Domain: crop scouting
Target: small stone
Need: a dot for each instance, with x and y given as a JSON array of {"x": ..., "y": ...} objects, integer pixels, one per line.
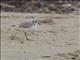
[
  {"x": 73, "y": 58},
  {"x": 12, "y": 37},
  {"x": 21, "y": 42}
]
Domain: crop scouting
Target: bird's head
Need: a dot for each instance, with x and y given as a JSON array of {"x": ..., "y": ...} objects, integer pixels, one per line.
[{"x": 35, "y": 22}]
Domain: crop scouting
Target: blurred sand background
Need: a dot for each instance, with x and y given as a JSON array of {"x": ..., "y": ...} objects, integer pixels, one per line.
[{"x": 49, "y": 42}]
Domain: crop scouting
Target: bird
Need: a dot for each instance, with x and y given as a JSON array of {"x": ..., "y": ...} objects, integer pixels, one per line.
[{"x": 27, "y": 27}]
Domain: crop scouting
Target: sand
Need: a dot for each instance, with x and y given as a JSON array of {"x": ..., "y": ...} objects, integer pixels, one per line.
[{"x": 61, "y": 37}]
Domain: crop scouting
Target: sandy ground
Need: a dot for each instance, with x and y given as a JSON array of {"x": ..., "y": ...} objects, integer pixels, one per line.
[{"x": 48, "y": 42}]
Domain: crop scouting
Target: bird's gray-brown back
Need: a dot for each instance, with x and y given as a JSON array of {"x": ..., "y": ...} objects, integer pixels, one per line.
[{"x": 25, "y": 25}]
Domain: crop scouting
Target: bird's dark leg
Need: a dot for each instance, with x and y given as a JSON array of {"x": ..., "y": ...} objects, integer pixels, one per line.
[{"x": 26, "y": 36}]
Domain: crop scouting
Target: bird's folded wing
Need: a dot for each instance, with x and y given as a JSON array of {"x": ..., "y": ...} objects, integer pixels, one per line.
[{"x": 25, "y": 25}]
